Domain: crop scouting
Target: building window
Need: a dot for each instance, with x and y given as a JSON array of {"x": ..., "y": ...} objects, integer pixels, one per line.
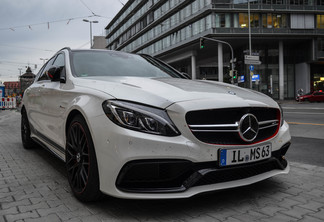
[
  {"x": 302, "y": 21},
  {"x": 150, "y": 17},
  {"x": 254, "y": 20},
  {"x": 279, "y": 21},
  {"x": 208, "y": 22},
  {"x": 223, "y": 20},
  {"x": 321, "y": 45},
  {"x": 195, "y": 7},
  {"x": 187, "y": 11},
  {"x": 244, "y": 20},
  {"x": 320, "y": 21},
  {"x": 274, "y": 20},
  {"x": 235, "y": 20}
]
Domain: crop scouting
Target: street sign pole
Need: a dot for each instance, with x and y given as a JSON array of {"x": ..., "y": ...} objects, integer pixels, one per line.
[{"x": 250, "y": 41}]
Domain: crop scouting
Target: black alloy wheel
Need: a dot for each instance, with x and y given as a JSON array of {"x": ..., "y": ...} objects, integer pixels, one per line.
[
  {"x": 27, "y": 141},
  {"x": 81, "y": 162}
]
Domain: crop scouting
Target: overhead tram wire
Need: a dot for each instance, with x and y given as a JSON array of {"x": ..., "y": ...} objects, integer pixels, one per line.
[
  {"x": 29, "y": 26},
  {"x": 24, "y": 47}
]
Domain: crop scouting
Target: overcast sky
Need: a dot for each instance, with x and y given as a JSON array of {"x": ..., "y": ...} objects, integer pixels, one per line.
[{"x": 31, "y": 29}]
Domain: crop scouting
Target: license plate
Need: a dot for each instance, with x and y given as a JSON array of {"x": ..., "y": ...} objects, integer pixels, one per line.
[{"x": 236, "y": 156}]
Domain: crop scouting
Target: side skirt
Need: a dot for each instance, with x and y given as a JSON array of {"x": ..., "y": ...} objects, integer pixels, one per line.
[{"x": 52, "y": 147}]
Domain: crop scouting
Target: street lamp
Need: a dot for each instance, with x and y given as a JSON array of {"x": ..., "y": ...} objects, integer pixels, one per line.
[
  {"x": 44, "y": 60},
  {"x": 86, "y": 20}
]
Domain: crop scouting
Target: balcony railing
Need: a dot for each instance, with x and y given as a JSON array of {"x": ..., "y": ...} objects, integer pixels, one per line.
[
  {"x": 286, "y": 31},
  {"x": 259, "y": 5}
]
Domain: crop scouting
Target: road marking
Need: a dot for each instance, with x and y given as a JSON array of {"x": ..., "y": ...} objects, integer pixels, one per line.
[
  {"x": 315, "y": 108},
  {"x": 312, "y": 124},
  {"x": 305, "y": 113}
]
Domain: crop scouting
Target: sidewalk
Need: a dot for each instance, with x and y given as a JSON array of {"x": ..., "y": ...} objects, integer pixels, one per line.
[{"x": 34, "y": 187}]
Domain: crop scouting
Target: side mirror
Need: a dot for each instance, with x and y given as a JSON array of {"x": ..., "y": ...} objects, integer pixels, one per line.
[{"x": 56, "y": 74}]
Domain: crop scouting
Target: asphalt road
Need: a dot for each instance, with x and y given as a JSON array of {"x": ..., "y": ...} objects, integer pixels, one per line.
[{"x": 306, "y": 121}]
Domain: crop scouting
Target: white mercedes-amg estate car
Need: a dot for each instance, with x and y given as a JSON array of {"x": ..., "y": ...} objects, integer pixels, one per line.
[{"x": 131, "y": 126}]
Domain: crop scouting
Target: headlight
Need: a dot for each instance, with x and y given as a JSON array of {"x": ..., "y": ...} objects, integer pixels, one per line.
[{"x": 140, "y": 118}]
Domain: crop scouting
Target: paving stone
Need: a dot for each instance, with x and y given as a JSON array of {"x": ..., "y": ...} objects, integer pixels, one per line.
[
  {"x": 319, "y": 215},
  {"x": 297, "y": 212},
  {"x": 21, "y": 216},
  {"x": 65, "y": 215},
  {"x": 8, "y": 205},
  {"x": 287, "y": 203},
  {"x": 269, "y": 210},
  {"x": 12, "y": 210},
  {"x": 202, "y": 218},
  {"x": 222, "y": 214},
  {"x": 279, "y": 218},
  {"x": 41, "y": 205},
  {"x": 91, "y": 218},
  {"x": 250, "y": 216},
  {"x": 48, "y": 218},
  {"x": 45, "y": 212},
  {"x": 312, "y": 205},
  {"x": 310, "y": 219}
]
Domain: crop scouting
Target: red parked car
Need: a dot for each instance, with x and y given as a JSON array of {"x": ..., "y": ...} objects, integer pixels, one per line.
[{"x": 316, "y": 96}]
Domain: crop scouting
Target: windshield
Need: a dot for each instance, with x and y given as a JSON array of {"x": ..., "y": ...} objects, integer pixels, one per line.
[{"x": 114, "y": 63}]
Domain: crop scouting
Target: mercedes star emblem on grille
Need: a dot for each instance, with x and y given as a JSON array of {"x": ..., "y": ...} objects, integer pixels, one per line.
[{"x": 248, "y": 127}]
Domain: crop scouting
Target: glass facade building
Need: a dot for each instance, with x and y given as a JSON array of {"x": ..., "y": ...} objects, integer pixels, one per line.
[{"x": 287, "y": 35}]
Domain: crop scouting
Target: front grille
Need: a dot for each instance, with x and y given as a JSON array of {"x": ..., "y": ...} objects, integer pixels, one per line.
[{"x": 221, "y": 126}]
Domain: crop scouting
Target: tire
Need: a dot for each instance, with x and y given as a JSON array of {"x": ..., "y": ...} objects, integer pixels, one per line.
[
  {"x": 27, "y": 141},
  {"x": 81, "y": 161}
]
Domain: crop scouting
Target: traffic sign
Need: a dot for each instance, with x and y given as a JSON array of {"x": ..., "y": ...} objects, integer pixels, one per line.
[
  {"x": 251, "y": 67},
  {"x": 251, "y": 57},
  {"x": 252, "y": 62},
  {"x": 256, "y": 77}
]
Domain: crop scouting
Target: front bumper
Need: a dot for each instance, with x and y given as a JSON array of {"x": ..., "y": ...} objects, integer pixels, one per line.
[
  {"x": 170, "y": 176},
  {"x": 136, "y": 165}
]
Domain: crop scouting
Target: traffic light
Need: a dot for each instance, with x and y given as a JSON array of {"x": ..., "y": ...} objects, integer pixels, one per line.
[
  {"x": 202, "y": 43},
  {"x": 235, "y": 76}
]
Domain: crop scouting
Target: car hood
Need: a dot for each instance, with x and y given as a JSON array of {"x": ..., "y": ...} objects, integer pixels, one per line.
[{"x": 162, "y": 92}]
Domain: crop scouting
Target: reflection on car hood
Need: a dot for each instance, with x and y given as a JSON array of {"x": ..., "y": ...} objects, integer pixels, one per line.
[{"x": 162, "y": 92}]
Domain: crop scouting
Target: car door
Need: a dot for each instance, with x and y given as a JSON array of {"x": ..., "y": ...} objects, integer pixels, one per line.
[
  {"x": 319, "y": 96},
  {"x": 36, "y": 104},
  {"x": 55, "y": 99}
]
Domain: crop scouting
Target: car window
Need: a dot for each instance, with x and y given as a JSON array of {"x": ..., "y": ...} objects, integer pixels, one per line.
[
  {"x": 40, "y": 72},
  {"x": 112, "y": 63},
  {"x": 59, "y": 61},
  {"x": 44, "y": 75},
  {"x": 318, "y": 94}
]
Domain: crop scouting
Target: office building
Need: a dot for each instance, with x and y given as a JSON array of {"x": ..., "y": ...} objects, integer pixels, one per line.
[{"x": 287, "y": 36}]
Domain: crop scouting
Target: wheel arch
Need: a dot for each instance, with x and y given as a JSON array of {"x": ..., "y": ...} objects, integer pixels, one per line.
[
  {"x": 23, "y": 109},
  {"x": 70, "y": 117}
]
